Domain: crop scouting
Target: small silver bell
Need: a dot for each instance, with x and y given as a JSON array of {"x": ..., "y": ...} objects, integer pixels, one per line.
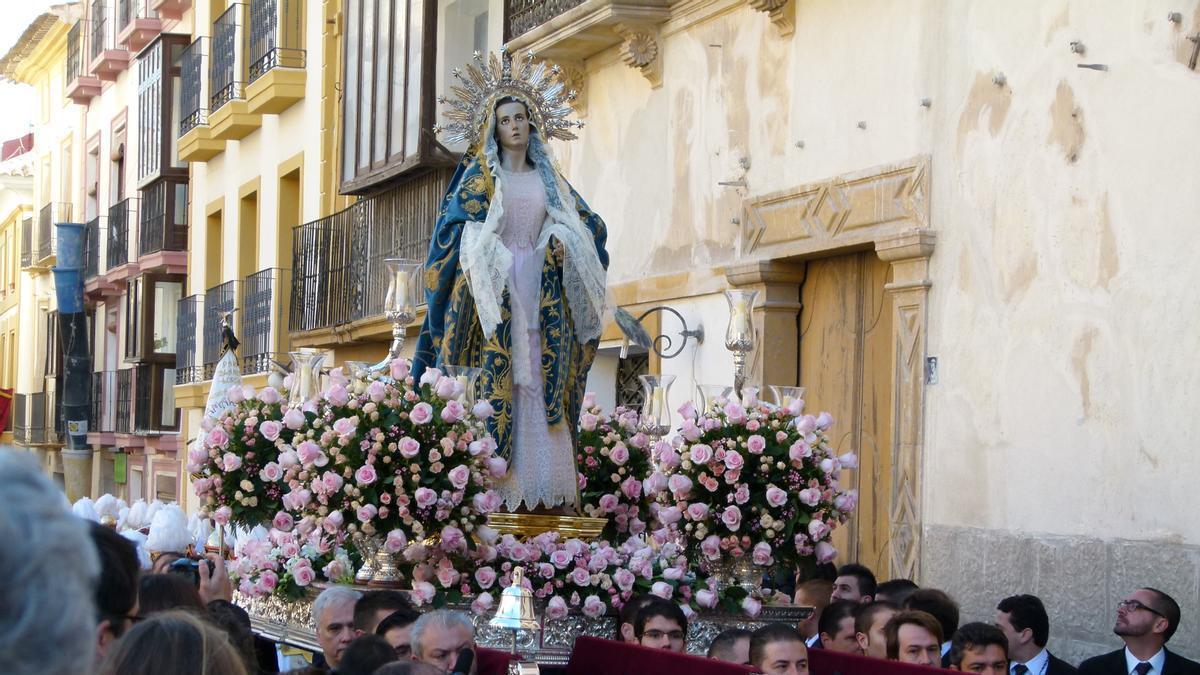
[{"x": 515, "y": 611}]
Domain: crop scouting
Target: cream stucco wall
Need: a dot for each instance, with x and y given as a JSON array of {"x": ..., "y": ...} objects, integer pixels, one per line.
[{"x": 1063, "y": 203}]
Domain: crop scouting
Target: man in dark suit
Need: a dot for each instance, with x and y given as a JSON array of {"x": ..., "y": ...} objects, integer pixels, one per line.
[
  {"x": 1146, "y": 620},
  {"x": 1023, "y": 620}
]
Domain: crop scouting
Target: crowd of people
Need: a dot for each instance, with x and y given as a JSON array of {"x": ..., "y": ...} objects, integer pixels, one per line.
[{"x": 77, "y": 601}]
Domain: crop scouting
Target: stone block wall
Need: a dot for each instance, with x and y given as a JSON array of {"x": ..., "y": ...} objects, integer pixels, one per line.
[{"x": 1080, "y": 580}]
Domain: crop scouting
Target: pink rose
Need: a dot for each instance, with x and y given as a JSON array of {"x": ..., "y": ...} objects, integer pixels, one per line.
[
  {"x": 624, "y": 579},
  {"x": 619, "y": 454},
  {"x": 742, "y": 495},
  {"x": 217, "y": 438},
  {"x": 334, "y": 522},
  {"x": 655, "y": 483},
  {"x": 365, "y": 475},
  {"x": 735, "y": 413},
  {"x": 701, "y": 453},
  {"x": 453, "y": 539},
  {"x": 197, "y": 454},
  {"x": 482, "y": 410},
  {"x": 809, "y": 496},
  {"x": 556, "y": 608},
  {"x": 308, "y": 452},
  {"x": 409, "y": 447},
  {"x": 271, "y": 472},
  {"x": 609, "y": 503},
  {"x": 776, "y": 497},
  {"x": 670, "y": 515},
  {"x": 706, "y": 598},
  {"x": 732, "y": 517},
  {"x": 283, "y": 521},
  {"x": 733, "y": 460},
  {"x": 817, "y": 529},
  {"x": 825, "y": 552},
  {"x": 231, "y": 462},
  {"x": 848, "y": 461},
  {"x": 346, "y": 426},
  {"x": 337, "y": 395},
  {"x": 422, "y": 413},
  {"x": 376, "y": 391},
  {"x": 447, "y": 576},
  {"x": 288, "y": 459},
  {"x": 589, "y": 399},
  {"x": 446, "y": 388},
  {"x": 697, "y": 511},
  {"x": 268, "y": 579},
  {"x": 799, "y": 451},
  {"x": 425, "y": 497},
  {"x": 751, "y": 605},
  {"x": 235, "y": 395},
  {"x": 846, "y": 502},
  {"x": 588, "y": 421},
  {"x": 690, "y": 431},
  {"x": 594, "y": 607},
  {"x": 761, "y": 554},
  {"x": 632, "y": 488},
  {"x": 423, "y": 593},
  {"x": 824, "y": 421},
  {"x": 497, "y": 466},
  {"x": 459, "y": 476},
  {"x": 485, "y": 577},
  {"x": 453, "y": 412},
  {"x": 806, "y": 425},
  {"x": 269, "y": 395},
  {"x": 335, "y": 570},
  {"x": 667, "y": 457},
  {"x": 482, "y": 604},
  {"x": 331, "y": 481},
  {"x": 662, "y": 589},
  {"x": 293, "y": 418},
  {"x": 680, "y": 486},
  {"x": 560, "y": 559},
  {"x": 396, "y": 541},
  {"x": 486, "y": 502},
  {"x": 688, "y": 410},
  {"x": 711, "y": 547},
  {"x": 304, "y": 575},
  {"x": 366, "y": 513},
  {"x": 580, "y": 576},
  {"x": 399, "y": 369},
  {"x": 756, "y": 444}
]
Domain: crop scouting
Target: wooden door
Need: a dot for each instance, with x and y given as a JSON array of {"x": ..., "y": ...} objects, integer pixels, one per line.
[{"x": 846, "y": 367}]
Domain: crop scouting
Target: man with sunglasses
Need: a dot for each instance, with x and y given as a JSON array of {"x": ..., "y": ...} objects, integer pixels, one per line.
[{"x": 1146, "y": 620}]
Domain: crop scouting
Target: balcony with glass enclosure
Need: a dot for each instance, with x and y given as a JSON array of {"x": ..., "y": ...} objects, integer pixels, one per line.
[
  {"x": 106, "y": 57},
  {"x": 81, "y": 85},
  {"x": 229, "y": 113},
  {"x": 275, "y": 54},
  {"x": 137, "y": 24},
  {"x": 196, "y": 142}
]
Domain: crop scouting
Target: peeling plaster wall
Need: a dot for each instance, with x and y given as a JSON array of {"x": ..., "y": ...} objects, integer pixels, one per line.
[{"x": 1062, "y": 308}]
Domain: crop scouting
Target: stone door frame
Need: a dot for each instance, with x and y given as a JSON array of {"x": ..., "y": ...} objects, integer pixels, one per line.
[{"x": 884, "y": 208}]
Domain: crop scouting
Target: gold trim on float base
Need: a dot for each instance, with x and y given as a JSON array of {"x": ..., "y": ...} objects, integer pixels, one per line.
[{"x": 528, "y": 525}]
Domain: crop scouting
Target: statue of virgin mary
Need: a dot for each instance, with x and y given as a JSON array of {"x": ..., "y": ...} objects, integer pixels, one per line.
[{"x": 515, "y": 277}]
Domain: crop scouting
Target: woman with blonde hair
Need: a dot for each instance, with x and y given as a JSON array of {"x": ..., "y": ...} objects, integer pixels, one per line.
[{"x": 173, "y": 643}]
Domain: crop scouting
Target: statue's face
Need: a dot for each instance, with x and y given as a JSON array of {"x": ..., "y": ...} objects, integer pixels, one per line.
[{"x": 512, "y": 126}]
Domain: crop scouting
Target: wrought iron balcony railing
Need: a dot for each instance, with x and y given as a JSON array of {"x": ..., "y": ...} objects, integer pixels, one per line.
[
  {"x": 341, "y": 256},
  {"x": 104, "y": 401},
  {"x": 123, "y": 404},
  {"x": 223, "y": 71},
  {"x": 118, "y": 233},
  {"x": 187, "y": 366},
  {"x": 91, "y": 254},
  {"x": 218, "y": 301},
  {"x": 47, "y": 235},
  {"x": 75, "y": 52},
  {"x": 262, "y": 330},
  {"x": 101, "y": 29},
  {"x": 522, "y": 16},
  {"x": 27, "y": 242},
  {"x": 157, "y": 227},
  {"x": 276, "y": 36},
  {"x": 193, "y": 86}
]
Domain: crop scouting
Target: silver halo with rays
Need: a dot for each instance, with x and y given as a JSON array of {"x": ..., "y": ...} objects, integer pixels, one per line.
[{"x": 486, "y": 81}]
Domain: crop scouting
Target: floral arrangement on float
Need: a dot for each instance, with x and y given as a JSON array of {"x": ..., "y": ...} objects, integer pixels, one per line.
[
  {"x": 752, "y": 488},
  {"x": 386, "y": 479}
]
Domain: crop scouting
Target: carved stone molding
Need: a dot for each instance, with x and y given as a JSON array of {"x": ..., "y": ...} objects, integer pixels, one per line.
[
  {"x": 781, "y": 12},
  {"x": 574, "y": 78},
  {"x": 641, "y": 49}
]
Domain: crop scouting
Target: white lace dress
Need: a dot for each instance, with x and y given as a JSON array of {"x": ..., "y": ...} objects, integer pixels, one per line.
[{"x": 542, "y": 463}]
